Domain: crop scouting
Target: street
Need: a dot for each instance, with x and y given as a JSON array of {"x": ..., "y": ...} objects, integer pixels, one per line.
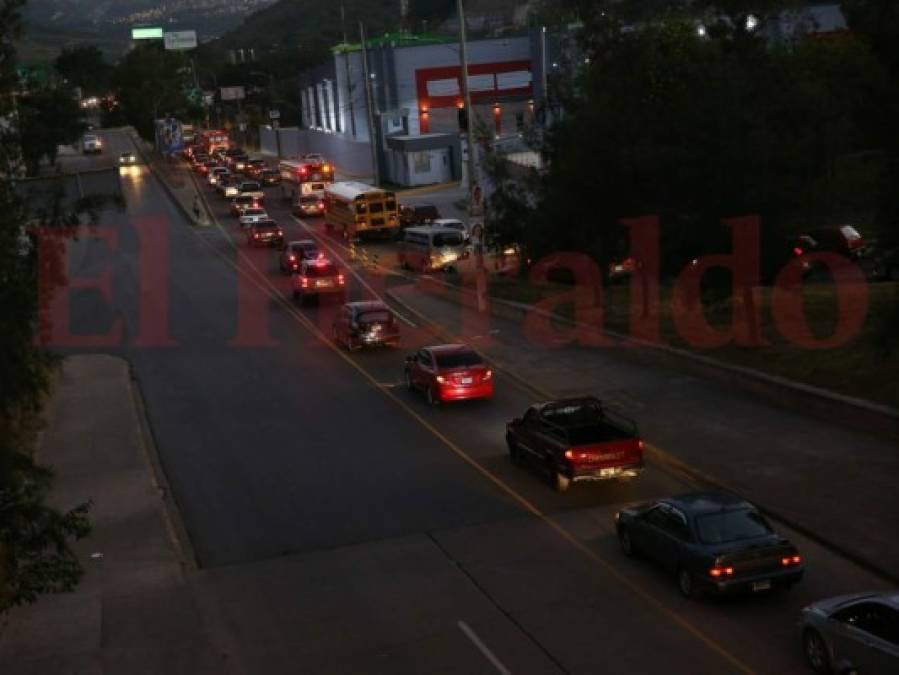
[{"x": 340, "y": 524}]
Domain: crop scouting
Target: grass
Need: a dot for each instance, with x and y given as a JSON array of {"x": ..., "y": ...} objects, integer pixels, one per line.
[{"x": 858, "y": 367}]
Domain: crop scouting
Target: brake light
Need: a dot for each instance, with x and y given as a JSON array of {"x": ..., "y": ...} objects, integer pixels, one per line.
[
  {"x": 786, "y": 561},
  {"x": 256, "y": 235},
  {"x": 718, "y": 572},
  {"x": 340, "y": 279},
  {"x": 292, "y": 258},
  {"x": 569, "y": 454},
  {"x": 488, "y": 375},
  {"x": 326, "y": 168},
  {"x": 440, "y": 379},
  {"x": 304, "y": 282},
  {"x": 640, "y": 444},
  {"x": 798, "y": 251}
]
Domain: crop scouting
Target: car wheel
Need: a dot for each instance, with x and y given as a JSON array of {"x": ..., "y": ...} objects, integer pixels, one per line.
[
  {"x": 815, "y": 651},
  {"x": 514, "y": 451},
  {"x": 685, "y": 583},
  {"x": 432, "y": 400},
  {"x": 561, "y": 482},
  {"x": 626, "y": 543}
]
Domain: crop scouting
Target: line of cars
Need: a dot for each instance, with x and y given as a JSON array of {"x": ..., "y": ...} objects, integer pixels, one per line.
[{"x": 712, "y": 543}]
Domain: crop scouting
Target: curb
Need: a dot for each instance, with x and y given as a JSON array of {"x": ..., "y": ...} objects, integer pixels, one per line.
[
  {"x": 138, "y": 143},
  {"x": 426, "y": 189},
  {"x": 672, "y": 463},
  {"x": 862, "y": 415},
  {"x": 177, "y": 530}
]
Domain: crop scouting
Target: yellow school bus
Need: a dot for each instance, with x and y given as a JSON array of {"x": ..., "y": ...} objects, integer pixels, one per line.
[{"x": 360, "y": 210}]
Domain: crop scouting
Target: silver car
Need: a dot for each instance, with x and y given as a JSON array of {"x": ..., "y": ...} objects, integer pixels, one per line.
[{"x": 852, "y": 634}]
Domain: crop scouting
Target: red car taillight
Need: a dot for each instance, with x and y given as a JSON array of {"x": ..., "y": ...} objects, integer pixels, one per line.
[
  {"x": 256, "y": 235},
  {"x": 487, "y": 375},
  {"x": 292, "y": 258},
  {"x": 718, "y": 572},
  {"x": 304, "y": 282},
  {"x": 786, "y": 561},
  {"x": 340, "y": 279}
]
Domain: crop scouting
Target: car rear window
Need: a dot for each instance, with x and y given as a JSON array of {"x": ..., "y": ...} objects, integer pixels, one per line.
[
  {"x": 310, "y": 199},
  {"x": 321, "y": 271},
  {"x": 460, "y": 359},
  {"x": 728, "y": 526},
  {"x": 254, "y": 212},
  {"x": 250, "y": 186},
  {"x": 378, "y": 316},
  {"x": 448, "y": 239}
]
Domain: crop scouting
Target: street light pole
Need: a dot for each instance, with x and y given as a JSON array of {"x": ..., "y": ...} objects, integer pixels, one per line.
[
  {"x": 466, "y": 96},
  {"x": 373, "y": 134},
  {"x": 474, "y": 189}
]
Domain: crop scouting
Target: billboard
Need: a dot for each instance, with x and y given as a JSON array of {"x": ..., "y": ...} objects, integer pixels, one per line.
[
  {"x": 232, "y": 93},
  {"x": 180, "y": 39},
  {"x": 147, "y": 33}
]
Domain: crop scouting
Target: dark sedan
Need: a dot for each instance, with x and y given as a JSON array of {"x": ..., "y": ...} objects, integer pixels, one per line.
[
  {"x": 365, "y": 324},
  {"x": 265, "y": 233},
  {"x": 714, "y": 542}
]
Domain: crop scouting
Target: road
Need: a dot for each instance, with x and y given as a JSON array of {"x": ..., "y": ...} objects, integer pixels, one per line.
[{"x": 342, "y": 525}]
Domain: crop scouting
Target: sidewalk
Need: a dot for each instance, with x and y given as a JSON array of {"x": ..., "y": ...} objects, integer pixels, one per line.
[
  {"x": 133, "y": 612},
  {"x": 819, "y": 477}
]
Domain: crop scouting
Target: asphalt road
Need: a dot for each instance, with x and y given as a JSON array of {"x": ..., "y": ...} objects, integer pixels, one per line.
[{"x": 343, "y": 525}]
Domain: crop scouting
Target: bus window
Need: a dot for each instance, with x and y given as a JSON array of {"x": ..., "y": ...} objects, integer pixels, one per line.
[
  {"x": 391, "y": 206},
  {"x": 376, "y": 207},
  {"x": 360, "y": 207}
]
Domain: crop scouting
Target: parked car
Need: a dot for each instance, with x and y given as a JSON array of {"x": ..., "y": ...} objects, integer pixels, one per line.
[
  {"x": 365, "y": 324},
  {"x": 296, "y": 252},
  {"x": 714, "y": 542},
  {"x": 270, "y": 177},
  {"x": 127, "y": 159},
  {"x": 265, "y": 233},
  {"x": 856, "y": 633},
  {"x": 318, "y": 278},
  {"x": 252, "y": 215},
  {"x": 419, "y": 214},
  {"x": 880, "y": 263},
  {"x": 842, "y": 239},
  {"x": 445, "y": 373},
  {"x": 576, "y": 439},
  {"x": 453, "y": 224},
  {"x": 241, "y": 203}
]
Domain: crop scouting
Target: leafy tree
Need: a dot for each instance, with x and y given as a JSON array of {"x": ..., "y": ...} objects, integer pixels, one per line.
[
  {"x": 34, "y": 555},
  {"x": 149, "y": 83},
  {"x": 85, "y": 67},
  {"x": 48, "y": 118}
]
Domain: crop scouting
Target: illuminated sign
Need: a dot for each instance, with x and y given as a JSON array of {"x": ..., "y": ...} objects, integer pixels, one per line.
[{"x": 147, "y": 33}]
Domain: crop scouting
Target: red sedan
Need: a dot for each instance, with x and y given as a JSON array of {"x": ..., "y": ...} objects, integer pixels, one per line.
[{"x": 449, "y": 373}]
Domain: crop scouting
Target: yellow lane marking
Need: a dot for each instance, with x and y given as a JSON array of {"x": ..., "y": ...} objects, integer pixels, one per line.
[{"x": 264, "y": 284}]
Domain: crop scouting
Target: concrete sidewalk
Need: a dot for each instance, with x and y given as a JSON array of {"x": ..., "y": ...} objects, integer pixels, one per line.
[
  {"x": 817, "y": 476},
  {"x": 133, "y": 612}
]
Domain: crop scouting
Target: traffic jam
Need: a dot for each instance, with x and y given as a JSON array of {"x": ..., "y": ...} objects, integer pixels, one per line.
[{"x": 711, "y": 543}]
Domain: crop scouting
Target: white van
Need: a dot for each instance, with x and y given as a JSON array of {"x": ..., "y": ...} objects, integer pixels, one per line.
[
  {"x": 426, "y": 248},
  {"x": 453, "y": 224}
]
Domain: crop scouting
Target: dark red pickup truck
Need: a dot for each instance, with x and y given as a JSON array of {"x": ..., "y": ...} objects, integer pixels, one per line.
[{"x": 576, "y": 439}]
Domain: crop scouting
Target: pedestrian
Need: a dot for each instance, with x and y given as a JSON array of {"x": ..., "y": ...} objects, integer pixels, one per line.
[{"x": 196, "y": 207}]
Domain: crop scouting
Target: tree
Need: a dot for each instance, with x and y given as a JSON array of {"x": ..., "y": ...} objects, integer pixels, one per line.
[
  {"x": 149, "y": 83},
  {"x": 86, "y": 68},
  {"x": 34, "y": 553},
  {"x": 48, "y": 118}
]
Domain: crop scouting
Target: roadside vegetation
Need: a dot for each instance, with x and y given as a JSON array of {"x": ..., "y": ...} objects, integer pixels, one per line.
[
  {"x": 34, "y": 538},
  {"x": 697, "y": 118}
]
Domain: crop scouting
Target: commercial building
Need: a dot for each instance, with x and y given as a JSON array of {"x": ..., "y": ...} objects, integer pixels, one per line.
[{"x": 417, "y": 103}]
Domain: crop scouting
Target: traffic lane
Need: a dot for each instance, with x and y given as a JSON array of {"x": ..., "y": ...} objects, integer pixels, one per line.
[
  {"x": 457, "y": 423},
  {"x": 759, "y": 628},
  {"x": 255, "y": 440}
]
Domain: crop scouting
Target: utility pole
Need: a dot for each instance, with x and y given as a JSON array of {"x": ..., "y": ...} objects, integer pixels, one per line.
[
  {"x": 373, "y": 135},
  {"x": 474, "y": 189},
  {"x": 466, "y": 95}
]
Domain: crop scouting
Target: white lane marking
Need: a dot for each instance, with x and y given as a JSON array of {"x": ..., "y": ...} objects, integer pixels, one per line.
[
  {"x": 349, "y": 267},
  {"x": 471, "y": 635}
]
